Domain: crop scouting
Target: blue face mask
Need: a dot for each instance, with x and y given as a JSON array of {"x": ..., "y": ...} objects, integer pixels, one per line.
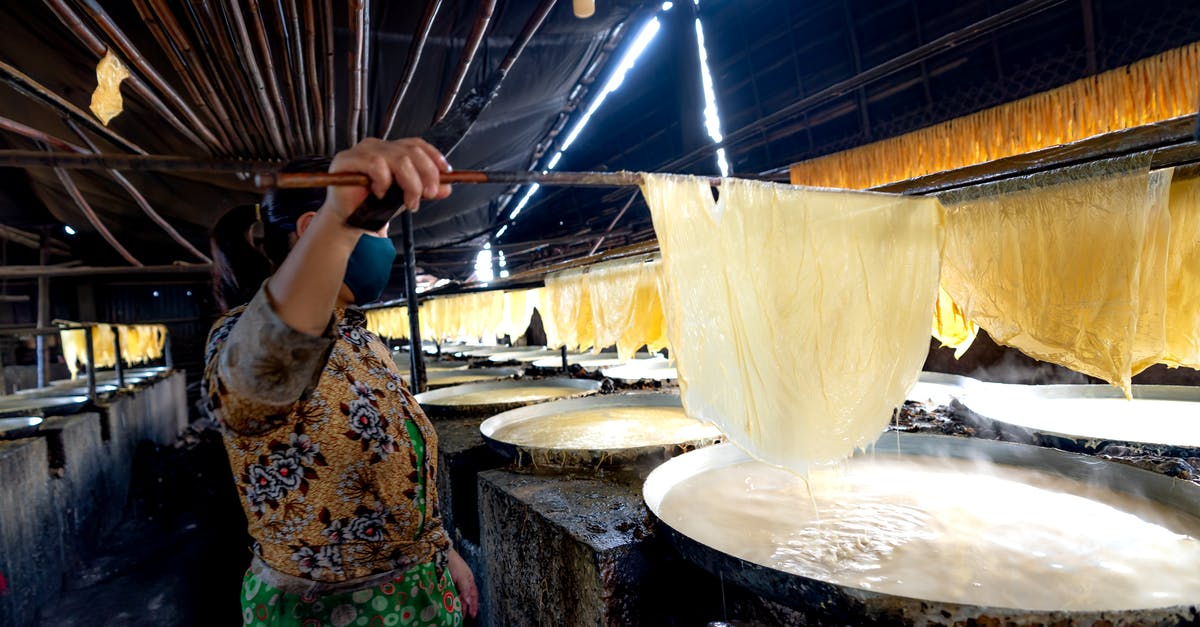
[{"x": 369, "y": 268}]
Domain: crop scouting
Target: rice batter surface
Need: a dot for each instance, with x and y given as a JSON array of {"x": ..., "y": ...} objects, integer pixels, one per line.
[
  {"x": 948, "y": 530},
  {"x": 607, "y": 428}
]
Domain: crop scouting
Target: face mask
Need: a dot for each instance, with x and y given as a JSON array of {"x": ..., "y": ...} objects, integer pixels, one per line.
[{"x": 369, "y": 268}]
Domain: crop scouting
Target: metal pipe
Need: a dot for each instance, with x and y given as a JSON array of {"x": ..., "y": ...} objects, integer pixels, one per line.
[
  {"x": 90, "y": 352},
  {"x": 468, "y": 54},
  {"x": 410, "y": 66},
  {"x": 416, "y": 355}
]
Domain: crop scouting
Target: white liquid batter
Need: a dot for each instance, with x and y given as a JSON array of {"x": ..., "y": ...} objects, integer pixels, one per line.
[
  {"x": 948, "y": 530},
  {"x": 453, "y": 378},
  {"x": 510, "y": 395},
  {"x": 607, "y": 428}
]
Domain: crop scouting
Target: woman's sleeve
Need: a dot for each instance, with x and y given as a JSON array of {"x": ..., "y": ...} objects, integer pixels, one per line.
[{"x": 257, "y": 367}]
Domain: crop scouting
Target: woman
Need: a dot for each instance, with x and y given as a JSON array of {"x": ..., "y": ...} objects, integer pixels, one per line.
[{"x": 334, "y": 460}]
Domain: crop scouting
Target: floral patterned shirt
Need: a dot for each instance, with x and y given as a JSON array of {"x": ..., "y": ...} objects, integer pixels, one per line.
[{"x": 320, "y": 433}]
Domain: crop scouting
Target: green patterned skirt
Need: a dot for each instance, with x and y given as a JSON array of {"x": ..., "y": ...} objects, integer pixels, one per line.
[{"x": 418, "y": 597}]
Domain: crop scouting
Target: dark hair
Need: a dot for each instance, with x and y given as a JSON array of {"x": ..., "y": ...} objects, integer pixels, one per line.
[{"x": 241, "y": 264}]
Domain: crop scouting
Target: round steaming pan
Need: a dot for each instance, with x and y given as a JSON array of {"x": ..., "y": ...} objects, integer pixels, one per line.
[
  {"x": 51, "y": 405},
  {"x": 482, "y": 351},
  {"x": 436, "y": 403},
  {"x": 829, "y": 603},
  {"x": 939, "y": 388},
  {"x": 653, "y": 369},
  {"x": 1161, "y": 419},
  {"x": 19, "y": 427},
  {"x": 591, "y": 457},
  {"x": 524, "y": 354},
  {"x": 588, "y": 361},
  {"x": 69, "y": 390},
  {"x": 446, "y": 378}
]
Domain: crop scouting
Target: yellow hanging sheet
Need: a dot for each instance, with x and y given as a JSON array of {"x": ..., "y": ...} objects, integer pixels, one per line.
[
  {"x": 798, "y": 318},
  {"x": 1052, "y": 264},
  {"x": 1183, "y": 276}
]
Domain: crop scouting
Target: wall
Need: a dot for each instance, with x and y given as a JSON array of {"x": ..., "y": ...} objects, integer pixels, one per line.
[{"x": 64, "y": 489}]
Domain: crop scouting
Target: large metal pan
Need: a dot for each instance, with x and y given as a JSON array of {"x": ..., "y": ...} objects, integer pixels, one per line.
[
  {"x": 440, "y": 403},
  {"x": 653, "y": 369},
  {"x": 523, "y": 354},
  {"x": 631, "y": 452},
  {"x": 1160, "y": 420},
  {"x": 829, "y": 604},
  {"x": 45, "y": 406},
  {"x": 446, "y": 378},
  {"x": 19, "y": 427}
]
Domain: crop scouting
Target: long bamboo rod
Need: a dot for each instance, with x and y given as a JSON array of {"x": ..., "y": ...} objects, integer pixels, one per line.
[
  {"x": 217, "y": 43},
  {"x": 410, "y": 65},
  {"x": 281, "y": 97},
  {"x": 200, "y": 59},
  {"x": 301, "y": 67},
  {"x": 191, "y": 78},
  {"x": 143, "y": 66},
  {"x": 142, "y": 203},
  {"x": 364, "y": 122},
  {"x": 357, "y": 68},
  {"x": 315, "y": 98},
  {"x": 468, "y": 54},
  {"x": 90, "y": 214},
  {"x": 260, "y": 84},
  {"x": 40, "y": 93},
  {"x": 330, "y": 81},
  {"x": 290, "y": 74}
]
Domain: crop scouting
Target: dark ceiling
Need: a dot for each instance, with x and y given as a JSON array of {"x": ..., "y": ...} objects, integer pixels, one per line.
[{"x": 765, "y": 55}]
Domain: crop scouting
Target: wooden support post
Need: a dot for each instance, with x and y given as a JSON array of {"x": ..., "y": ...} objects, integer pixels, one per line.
[
  {"x": 565, "y": 365},
  {"x": 168, "y": 360},
  {"x": 91, "y": 363},
  {"x": 117, "y": 352},
  {"x": 43, "y": 313},
  {"x": 416, "y": 355}
]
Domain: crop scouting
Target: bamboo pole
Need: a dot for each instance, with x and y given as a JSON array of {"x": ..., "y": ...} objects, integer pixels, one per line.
[
  {"x": 260, "y": 84},
  {"x": 33, "y": 272},
  {"x": 143, "y": 66},
  {"x": 190, "y": 79},
  {"x": 357, "y": 69},
  {"x": 220, "y": 52},
  {"x": 82, "y": 204},
  {"x": 213, "y": 80},
  {"x": 301, "y": 68},
  {"x": 330, "y": 80},
  {"x": 40, "y": 93},
  {"x": 464, "y": 60},
  {"x": 142, "y": 203},
  {"x": 321, "y": 143},
  {"x": 280, "y": 97},
  {"x": 364, "y": 125},
  {"x": 410, "y": 66}
]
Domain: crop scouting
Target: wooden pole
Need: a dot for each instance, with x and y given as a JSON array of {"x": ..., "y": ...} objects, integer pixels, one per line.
[
  {"x": 330, "y": 79},
  {"x": 143, "y": 203},
  {"x": 357, "y": 69},
  {"x": 43, "y": 314},
  {"x": 280, "y": 97},
  {"x": 464, "y": 60},
  {"x": 82, "y": 204},
  {"x": 90, "y": 349},
  {"x": 258, "y": 83},
  {"x": 321, "y": 143},
  {"x": 416, "y": 355},
  {"x": 117, "y": 352},
  {"x": 410, "y": 66}
]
